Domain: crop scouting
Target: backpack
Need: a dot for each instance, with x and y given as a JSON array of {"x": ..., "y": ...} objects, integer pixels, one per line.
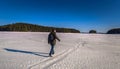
[{"x": 51, "y": 37}]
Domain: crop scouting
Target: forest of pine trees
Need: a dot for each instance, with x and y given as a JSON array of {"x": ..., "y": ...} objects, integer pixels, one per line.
[
  {"x": 24, "y": 27},
  {"x": 114, "y": 31}
]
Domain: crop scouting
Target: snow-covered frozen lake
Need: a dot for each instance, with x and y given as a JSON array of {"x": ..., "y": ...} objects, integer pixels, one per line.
[{"x": 29, "y": 50}]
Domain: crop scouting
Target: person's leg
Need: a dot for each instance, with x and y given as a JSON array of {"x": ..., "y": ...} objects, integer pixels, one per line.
[{"x": 52, "y": 50}]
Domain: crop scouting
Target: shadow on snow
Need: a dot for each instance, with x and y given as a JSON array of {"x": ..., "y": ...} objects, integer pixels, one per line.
[{"x": 28, "y": 52}]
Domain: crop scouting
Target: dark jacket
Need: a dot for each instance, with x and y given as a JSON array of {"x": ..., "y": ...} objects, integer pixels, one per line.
[{"x": 53, "y": 42}]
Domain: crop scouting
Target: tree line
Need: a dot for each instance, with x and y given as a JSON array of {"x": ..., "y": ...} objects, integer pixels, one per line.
[
  {"x": 114, "y": 31},
  {"x": 25, "y": 27}
]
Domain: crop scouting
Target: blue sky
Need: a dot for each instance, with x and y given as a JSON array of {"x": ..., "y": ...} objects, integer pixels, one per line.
[{"x": 83, "y": 15}]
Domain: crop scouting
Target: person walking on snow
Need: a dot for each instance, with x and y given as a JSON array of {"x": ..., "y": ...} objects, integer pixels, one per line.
[{"x": 52, "y": 41}]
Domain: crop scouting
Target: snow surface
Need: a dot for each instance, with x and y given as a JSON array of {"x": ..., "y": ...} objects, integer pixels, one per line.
[{"x": 29, "y": 50}]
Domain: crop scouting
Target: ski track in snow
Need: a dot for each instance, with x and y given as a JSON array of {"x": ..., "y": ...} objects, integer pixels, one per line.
[{"x": 56, "y": 58}]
